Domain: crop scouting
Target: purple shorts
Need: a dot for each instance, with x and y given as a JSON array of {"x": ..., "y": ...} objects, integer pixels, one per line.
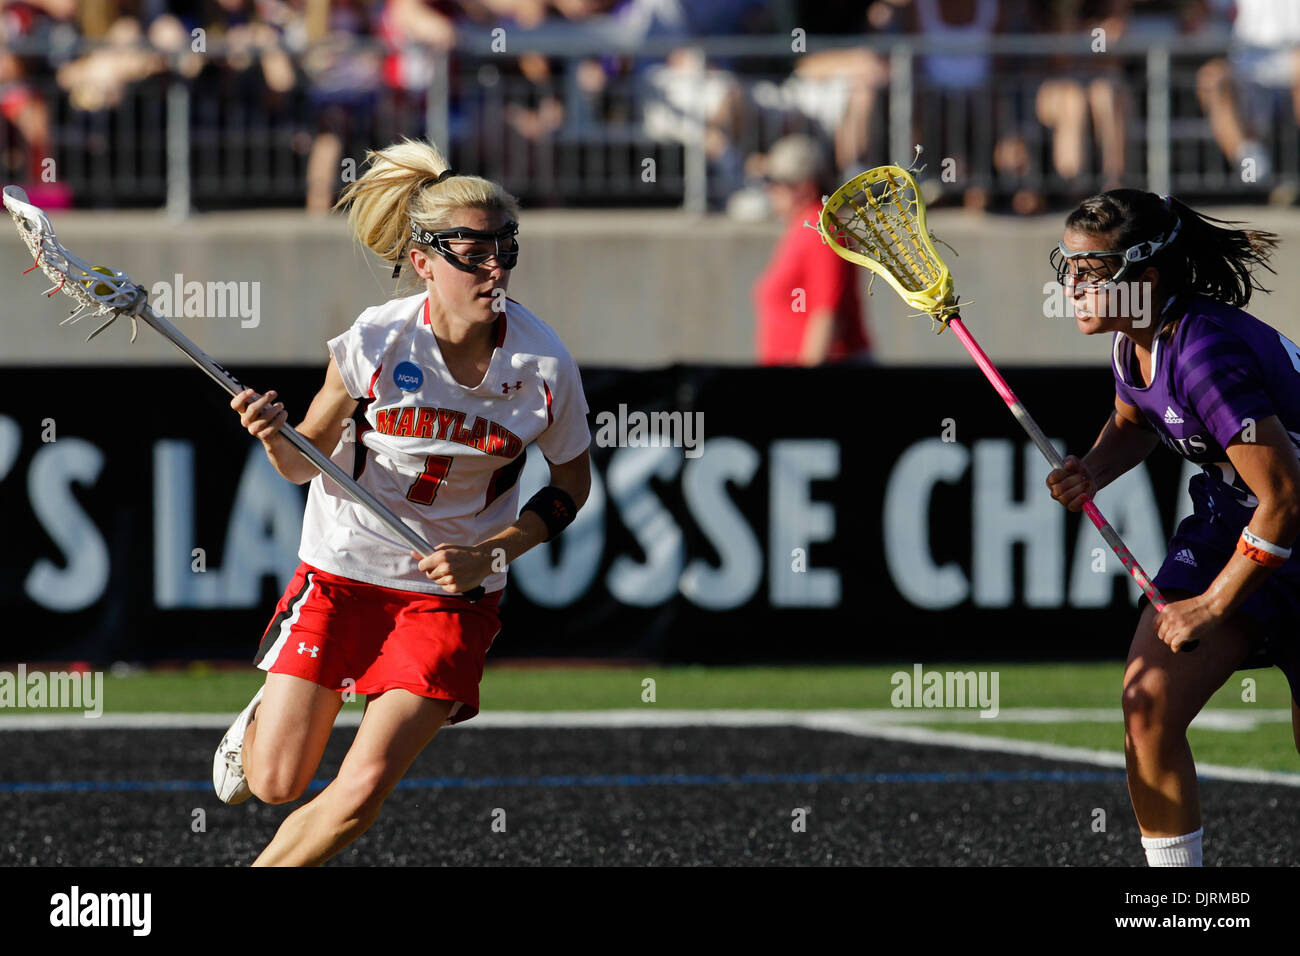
[{"x": 1199, "y": 550}]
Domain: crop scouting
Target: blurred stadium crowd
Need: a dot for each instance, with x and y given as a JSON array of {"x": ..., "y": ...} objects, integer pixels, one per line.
[{"x": 565, "y": 100}]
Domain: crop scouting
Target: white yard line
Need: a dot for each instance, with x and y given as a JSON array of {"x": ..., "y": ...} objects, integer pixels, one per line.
[
  {"x": 846, "y": 722},
  {"x": 651, "y": 716},
  {"x": 881, "y": 724}
]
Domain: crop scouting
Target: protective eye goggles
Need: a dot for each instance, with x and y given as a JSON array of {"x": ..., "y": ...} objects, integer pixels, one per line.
[
  {"x": 1132, "y": 256},
  {"x": 504, "y": 245}
]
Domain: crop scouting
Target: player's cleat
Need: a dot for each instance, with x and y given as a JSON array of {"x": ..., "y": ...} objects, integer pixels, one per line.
[{"x": 228, "y": 764}]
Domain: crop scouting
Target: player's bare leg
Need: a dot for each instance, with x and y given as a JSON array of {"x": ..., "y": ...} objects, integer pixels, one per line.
[
  {"x": 1163, "y": 691},
  {"x": 1295, "y": 724},
  {"x": 397, "y": 725},
  {"x": 287, "y": 736}
]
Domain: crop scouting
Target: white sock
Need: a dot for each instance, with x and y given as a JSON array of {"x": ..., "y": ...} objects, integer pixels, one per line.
[{"x": 1182, "y": 850}]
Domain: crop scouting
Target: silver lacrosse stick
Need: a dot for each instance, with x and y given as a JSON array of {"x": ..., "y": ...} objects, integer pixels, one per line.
[{"x": 100, "y": 291}]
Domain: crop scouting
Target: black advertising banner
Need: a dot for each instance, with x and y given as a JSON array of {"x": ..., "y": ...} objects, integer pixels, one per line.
[{"x": 737, "y": 515}]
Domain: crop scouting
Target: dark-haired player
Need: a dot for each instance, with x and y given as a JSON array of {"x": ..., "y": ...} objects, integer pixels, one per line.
[{"x": 1222, "y": 389}]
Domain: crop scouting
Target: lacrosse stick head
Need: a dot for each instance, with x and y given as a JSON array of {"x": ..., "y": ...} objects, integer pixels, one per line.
[
  {"x": 877, "y": 220},
  {"x": 97, "y": 290}
]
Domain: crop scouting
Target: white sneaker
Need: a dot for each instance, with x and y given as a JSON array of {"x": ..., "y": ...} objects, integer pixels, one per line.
[{"x": 228, "y": 765}]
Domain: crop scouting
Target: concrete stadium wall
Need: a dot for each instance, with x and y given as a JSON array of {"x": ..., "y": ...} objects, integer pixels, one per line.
[{"x": 623, "y": 288}]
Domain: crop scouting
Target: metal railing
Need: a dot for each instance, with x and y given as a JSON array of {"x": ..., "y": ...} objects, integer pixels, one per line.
[{"x": 219, "y": 141}]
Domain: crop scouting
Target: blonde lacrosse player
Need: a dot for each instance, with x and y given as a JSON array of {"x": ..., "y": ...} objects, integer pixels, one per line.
[{"x": 452, "y": 384}]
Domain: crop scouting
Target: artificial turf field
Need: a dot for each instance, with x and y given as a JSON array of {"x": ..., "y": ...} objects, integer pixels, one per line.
[{"x": 751, "y": 766}]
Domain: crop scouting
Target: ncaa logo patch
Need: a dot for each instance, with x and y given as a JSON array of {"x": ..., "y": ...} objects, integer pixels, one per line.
[{"x": 408, "y": 376}]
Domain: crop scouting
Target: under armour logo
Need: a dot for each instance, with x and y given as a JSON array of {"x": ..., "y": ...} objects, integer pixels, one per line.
[
  {"x": 304, "y": 649},
  {"x": 506, "y": 387}
]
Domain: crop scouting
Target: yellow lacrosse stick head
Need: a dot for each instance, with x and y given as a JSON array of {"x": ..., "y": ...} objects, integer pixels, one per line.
[{"x": 877, "y": 220}]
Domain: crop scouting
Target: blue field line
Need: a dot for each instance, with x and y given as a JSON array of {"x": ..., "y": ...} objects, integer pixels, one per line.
[{"x": 606, "y": 780}]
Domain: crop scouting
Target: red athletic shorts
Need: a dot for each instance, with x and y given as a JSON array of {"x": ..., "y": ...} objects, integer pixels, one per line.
[{"x": 328, "y": 629}]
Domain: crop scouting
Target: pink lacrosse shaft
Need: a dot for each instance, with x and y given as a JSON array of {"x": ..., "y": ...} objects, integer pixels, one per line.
[{"x": 1054, "y": 457}]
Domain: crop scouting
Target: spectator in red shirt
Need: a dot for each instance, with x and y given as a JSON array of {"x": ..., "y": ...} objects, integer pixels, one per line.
[{"x": 809, "y": 310}]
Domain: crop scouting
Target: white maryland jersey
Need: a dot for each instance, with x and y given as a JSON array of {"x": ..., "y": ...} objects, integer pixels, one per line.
[{"x": 443, "y": 457}]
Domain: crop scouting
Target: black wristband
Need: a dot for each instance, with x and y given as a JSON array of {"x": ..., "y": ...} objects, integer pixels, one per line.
[{"x": 555, "y": 507}]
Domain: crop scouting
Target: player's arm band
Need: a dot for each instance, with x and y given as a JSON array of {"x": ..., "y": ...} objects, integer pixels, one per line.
[
  {"x": 555, "y": 507},
  {"x": 1260, "y": 551}
]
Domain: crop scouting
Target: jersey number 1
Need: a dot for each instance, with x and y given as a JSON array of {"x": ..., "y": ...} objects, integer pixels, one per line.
[{"x": 425, "y": 487}]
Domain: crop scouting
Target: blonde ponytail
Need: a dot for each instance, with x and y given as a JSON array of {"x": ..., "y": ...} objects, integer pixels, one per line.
[{"x": 400, "y": 189}]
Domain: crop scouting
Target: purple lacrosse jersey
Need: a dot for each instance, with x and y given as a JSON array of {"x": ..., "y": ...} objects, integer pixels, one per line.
[{"x": 1220, "y": 370}]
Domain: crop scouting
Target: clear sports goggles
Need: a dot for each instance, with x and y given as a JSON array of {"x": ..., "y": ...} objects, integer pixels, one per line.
[
  {"x": 500, "y": 243},
  {"x": 1100, "y": 278}
]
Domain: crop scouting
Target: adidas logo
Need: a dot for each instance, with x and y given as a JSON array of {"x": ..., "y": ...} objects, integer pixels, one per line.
[
  {"x": 1171, "y": 417},
  {"x": 1186, "y": 557}
]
